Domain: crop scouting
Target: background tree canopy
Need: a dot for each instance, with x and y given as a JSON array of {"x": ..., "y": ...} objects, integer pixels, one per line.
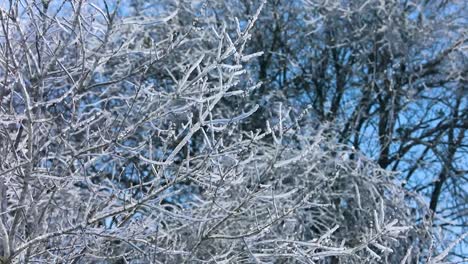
[{"x": 280, "y": 131}]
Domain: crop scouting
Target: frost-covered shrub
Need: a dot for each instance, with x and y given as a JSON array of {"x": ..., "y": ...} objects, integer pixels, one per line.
[{"x": 118, "y": 147}]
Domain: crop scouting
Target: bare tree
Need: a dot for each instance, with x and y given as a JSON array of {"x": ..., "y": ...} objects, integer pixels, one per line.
[
  {"x": 390, "y": 74},
  {"x": 123, "y": 140}
]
